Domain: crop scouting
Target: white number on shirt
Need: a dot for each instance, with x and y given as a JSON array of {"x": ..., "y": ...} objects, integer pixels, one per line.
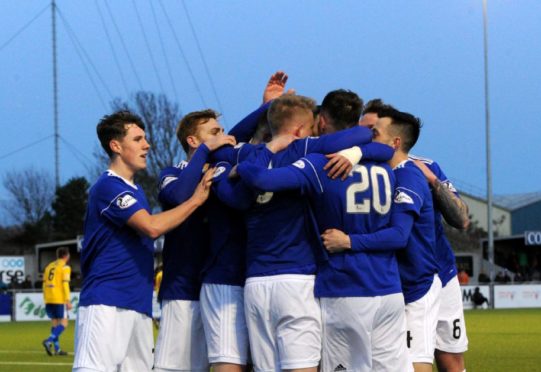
[{"x": 376, "y": 203}]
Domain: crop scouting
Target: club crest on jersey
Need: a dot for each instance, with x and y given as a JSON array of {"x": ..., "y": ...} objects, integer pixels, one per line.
[
  {"x": 218, "y": 171},
  {"x": 401, "y": 197},
  {"x": 299, "y": 164},
  {"x": 125, "y": 201}
]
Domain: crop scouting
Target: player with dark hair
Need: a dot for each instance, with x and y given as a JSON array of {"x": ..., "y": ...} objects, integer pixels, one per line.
[
  {"x": 56, "y": 294},
  {"x": 412, "y": 227},
  {"x": 451, "y": 337},
  {"x": 342, "y": 107},
  {"x": 114, "y": 320}
]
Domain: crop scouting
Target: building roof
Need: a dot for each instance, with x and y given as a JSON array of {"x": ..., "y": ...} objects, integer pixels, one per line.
[{"x": 516, "y": 201}]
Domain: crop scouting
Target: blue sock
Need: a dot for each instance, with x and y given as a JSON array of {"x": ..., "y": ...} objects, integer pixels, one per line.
[
  {"x": 57, "y": 331},
  {"x": 52, "y": 335}
]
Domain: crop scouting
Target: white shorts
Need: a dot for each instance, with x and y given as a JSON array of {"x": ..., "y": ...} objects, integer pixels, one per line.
[
  {"x": 284, "y": 322},
  {"x": 451, "y": 330},
  {"x": 108, "y": 338},
  {"x": 222, "y": 311},
  {"x": 364, "y": 334},
  {"x": 421, "y": 320},
  {"x": 181, "y": 342}
]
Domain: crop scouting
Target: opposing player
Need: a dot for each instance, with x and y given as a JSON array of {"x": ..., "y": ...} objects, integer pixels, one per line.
[
  {"x": 361, "y": 300},
  {"x": 451, "y": 337},
  {"x": 56, "y": 294},
  {"x": 114, "y": 320}
]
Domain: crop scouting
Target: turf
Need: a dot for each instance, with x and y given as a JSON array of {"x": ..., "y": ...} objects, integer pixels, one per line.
[{"x": 500, "y": 340}]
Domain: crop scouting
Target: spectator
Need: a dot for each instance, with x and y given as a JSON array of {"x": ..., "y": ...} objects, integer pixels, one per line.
[
  {"x": 478, "y": 298},
  {"x": 483, "y": 278},
  {"x": 519, "y": 278},
  {"x": 463, "y": 277},
  {"x": 27, "y": 284},
  {"x": 503, "y": 276}
]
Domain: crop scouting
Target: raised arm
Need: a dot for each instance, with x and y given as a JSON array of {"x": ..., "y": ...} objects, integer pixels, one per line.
[
  {"x": 244, "y": 130},
  {"x": 176, "y": 187},
  {"x": 452, "y": 208}
]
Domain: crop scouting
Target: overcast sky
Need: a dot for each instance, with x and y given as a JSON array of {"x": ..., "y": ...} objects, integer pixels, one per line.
[{"x": 423, "y": 56}]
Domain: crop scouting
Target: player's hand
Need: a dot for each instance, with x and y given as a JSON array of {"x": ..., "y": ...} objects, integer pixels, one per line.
[
  {"x": 202, "y": 190},
  {"x": 275, "y": 86},
  {"x": 335, "y": 240},
  {"x": 220, "y": 140},
  {"x": 338, "y": 166},
  {"x": 281, "y": 142},
  {"x": 430, "y": 176},
  {"x": 69, "y": 306}
]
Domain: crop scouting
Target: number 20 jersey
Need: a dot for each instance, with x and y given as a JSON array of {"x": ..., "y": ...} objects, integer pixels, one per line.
[{"x": 359, "y": 205}]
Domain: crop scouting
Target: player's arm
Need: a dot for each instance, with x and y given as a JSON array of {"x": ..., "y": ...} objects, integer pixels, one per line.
[
  {"x": 341, "y": 163},
  {"x": 452, "y": 208},
  {"x": 244, "y": 130},
  {"x": 301, "y": 175},
  {"x": 66, "y": 276},
  {"x": 334, "y": 142},
  {"x": 158, "y": 224},
  {"x": 390, "y": 238},
  {"x": 232, "y": 191}
]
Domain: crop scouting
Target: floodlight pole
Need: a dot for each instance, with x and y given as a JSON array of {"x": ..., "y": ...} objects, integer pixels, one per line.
[
  {"x": 490, "y": 227},
  {"x": 55, "y": 102}
]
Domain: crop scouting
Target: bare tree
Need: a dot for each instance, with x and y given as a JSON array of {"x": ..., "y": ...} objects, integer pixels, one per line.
[{"x": 32, "y": 192}]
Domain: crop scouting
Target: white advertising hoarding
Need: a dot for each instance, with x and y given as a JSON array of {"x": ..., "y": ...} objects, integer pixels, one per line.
[
  {"x": 30, "y": 306},
  {"x": 517, "y": 296},
  {"x": 12, "y": 268}
]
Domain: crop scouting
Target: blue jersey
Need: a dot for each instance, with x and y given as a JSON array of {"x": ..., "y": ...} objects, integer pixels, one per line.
[
  {"x": 117, "y": 262},
  {"x": 417, "y": 263},
  {"x": 444, "y": 253},
  {"x": 226, "y": 263},
  {"x": 281, "y": 235},
  {"x": 360, "y": 204},
  {"x": 186, "y": 246}
]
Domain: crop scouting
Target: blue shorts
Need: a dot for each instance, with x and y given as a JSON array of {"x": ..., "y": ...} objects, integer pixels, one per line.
[{"x": 55, "y": 311}]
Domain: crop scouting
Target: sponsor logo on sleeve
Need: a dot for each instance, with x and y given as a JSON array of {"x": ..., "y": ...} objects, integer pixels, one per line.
[
  {"x": 125, "y": 201},
  {"x": 299, "y": 164},
  {"x": 401, "y": 197}
]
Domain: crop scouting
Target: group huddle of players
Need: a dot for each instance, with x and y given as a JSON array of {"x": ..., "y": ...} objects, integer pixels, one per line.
[{"x": 307, "y": 238}]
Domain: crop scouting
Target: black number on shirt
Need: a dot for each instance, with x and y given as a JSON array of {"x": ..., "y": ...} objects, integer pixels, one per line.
[
  {"x": 51, "y": 274},
  {"x": 456, "y": 329}
]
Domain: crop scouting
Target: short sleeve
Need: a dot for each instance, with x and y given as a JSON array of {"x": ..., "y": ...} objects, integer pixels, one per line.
[
  {"x": 408, "y": 196},
  {"x": 118, "y": 201}
]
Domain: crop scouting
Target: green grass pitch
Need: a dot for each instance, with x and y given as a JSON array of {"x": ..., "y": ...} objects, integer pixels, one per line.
[{"x": 500, "y": 340}]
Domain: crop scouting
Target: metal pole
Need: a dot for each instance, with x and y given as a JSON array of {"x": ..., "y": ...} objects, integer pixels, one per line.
[
  {"x": 55, "y": 102},
  {"x": 489, "y": 163}
]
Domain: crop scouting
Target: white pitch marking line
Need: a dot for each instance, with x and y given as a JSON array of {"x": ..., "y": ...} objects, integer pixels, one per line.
[{"x": 35, "y": 364}]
